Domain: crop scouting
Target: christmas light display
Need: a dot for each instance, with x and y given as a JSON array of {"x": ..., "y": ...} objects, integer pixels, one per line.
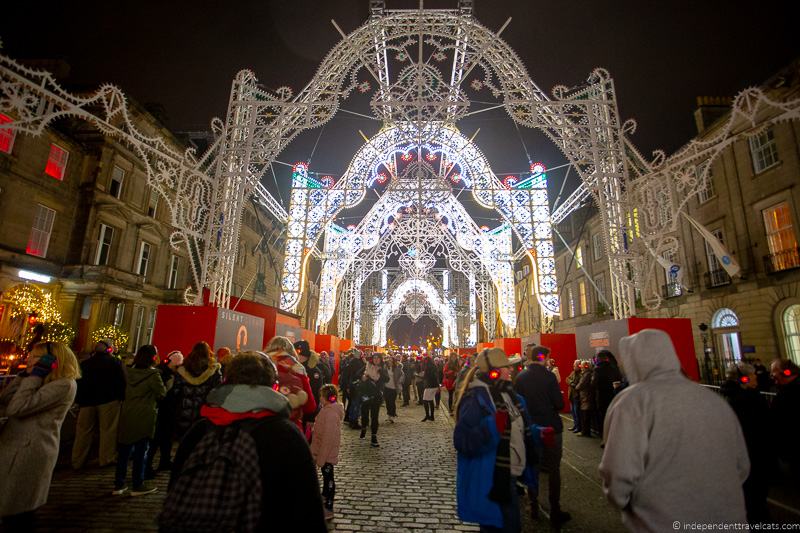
[{"x": 119, "y": 338}]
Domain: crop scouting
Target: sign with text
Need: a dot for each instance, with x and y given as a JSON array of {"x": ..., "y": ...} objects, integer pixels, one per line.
[
  {"x": 238, "y": 331},
  {"x": 599, "y": 339}
]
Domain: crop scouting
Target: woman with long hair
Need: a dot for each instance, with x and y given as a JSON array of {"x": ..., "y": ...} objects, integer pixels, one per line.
[
  {"x": 198, "y": 375},
  {"x": 495, "y": 444},
  {"x": 430, "y": 376},
  {"x": 35, "y": 403}
]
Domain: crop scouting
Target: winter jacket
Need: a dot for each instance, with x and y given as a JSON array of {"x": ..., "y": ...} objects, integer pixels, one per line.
[
  {"x": 785, "y": 407},
  {"x": 664, "y": 434},
  {"x": 449, "y": 378},
  {"x": 327, "y": 434},
  {"x": 137, "y": 418},
  {"x": 395, "y": 380},
  {"x": 102, "y": 380},
  {"x": 190, "y": 394},
  {"x": 408, "y": 373},
  {"x": 29, "y": 440},
  {"x": 572, "y": 381},
  {"x": 431, "y": 376},
  {"x": 476, "y": 437},
  {"x": 585, "y": 389},
  {"x": 290, "y": 490},
  {"x": 605, "y": 374},
  {"x": 542, "y": 395}
]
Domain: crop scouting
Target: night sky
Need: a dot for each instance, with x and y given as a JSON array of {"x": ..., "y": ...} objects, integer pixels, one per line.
[{"x": 183, "y": 55}]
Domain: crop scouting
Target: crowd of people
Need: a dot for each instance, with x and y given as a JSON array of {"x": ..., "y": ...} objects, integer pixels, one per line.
[{"x": 252, "y": 427}]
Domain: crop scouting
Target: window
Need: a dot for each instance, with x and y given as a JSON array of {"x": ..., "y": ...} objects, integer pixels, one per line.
[
  {"x": 780, "y": 237},
  {"x": 526, "y": 269},
  {"x": 600, "y": 282},
  {"x": 6, "y": 135},
  {"x": 717, "y": 275},
  {"x": 139, "y": 328},
  {"x": 578, "y": 257},
  {"x": 584, "y": 307},
  {"x": 144, "y": 259},
  {"x": 672, "y": 287},
  {"x": 56, "y": 162},
  {"x": 117, "y": 177},
  {"x": 597, "y": 246},
  {"x": 41, "y": 228},
  {"x": 725, "y": 325},
  {"x": 791, "y": 329},
  {"x": 150, "y": 324},
  {"x": 119, "y": 314},
  {"x": 706, "y": 192},
  {"x": 763, "y": 150},
  {"x": 172, "y": 281},
  {"x": 152, "y": 206},
  {"x": 570, "y": 303},
  {"x": 104, "y": 245}
]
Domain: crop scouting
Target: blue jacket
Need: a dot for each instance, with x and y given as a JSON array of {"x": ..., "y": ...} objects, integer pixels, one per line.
[{"x": 476, "y": 438}]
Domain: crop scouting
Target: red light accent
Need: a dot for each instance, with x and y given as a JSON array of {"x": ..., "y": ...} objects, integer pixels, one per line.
[
  {"x": 744, "y": 379},
  {"x": 494, "y": 374},
  {"x": 275, "y": 386},
  {"x": 6, "y": 135},
  {"x": 332, "y": 398},
  {"x": 787, "y": 372},
  {"x": 31, "y": 320}
]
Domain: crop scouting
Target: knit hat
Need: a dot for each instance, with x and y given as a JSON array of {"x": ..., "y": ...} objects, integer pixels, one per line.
[
  {"x": 495, "y": 358},
  {"x": 175, "y": 357}
]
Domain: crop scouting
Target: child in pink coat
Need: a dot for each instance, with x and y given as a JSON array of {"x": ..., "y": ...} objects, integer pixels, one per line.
[{"x": 325, "y": 442}]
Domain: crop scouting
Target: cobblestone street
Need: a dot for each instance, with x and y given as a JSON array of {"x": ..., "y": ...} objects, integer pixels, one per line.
[{"x": 406, "y": 484}]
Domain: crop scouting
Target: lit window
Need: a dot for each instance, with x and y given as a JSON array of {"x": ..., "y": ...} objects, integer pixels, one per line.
[
  {"x": 600, "y": 282},
  {"x": 39, "y": 239},
  {"x": 117, "y": 177},
  {"x": 104, "y": 240},
  {"x": 139, "y": 328},
  {"x": 781, "y": 237},
  {"x": 172, "y": 282},
  {"x": 725, "y": 325},
  {"x": 119, "y": 314},
  {"x": 144, "y": 259},
  {"x": 6, "y": 135},
  {"x": 584, "y": 307},
  {"x": 791, "y": 329},
  {"x": 597, "y": 246},
  {"x": 570, "y": 302},
  {"x": 56, "y": 162},
  {"x": 763, "y": 150},
  {"x": 578, "y": 257}
]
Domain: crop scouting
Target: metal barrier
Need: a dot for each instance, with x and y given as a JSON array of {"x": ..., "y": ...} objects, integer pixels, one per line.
[{"x": 768, "y": 396}]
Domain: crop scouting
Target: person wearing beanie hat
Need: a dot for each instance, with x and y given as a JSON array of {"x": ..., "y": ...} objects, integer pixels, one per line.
[{"x": 165, "y": 419}]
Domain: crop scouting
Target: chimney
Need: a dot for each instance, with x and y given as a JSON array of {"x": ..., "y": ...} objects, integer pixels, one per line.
[{"x": 709, "y": 109}]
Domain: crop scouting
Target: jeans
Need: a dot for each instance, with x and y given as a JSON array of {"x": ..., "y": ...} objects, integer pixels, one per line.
[
  {"x": 551, "y": 465},
  {"x": 369, "y": 414},
  {"x": 328, "y": 486},
  {"x": 576, "y": 414},
  {"x": 391, "y": 401},
  {"x": 139, "y": 450}
]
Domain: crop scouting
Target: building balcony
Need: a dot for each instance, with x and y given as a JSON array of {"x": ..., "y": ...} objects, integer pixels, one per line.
[
  {"x": 671, "y": 290},
  {"x": 717, "y": 278},
  {"x": 783, "y": 260}
]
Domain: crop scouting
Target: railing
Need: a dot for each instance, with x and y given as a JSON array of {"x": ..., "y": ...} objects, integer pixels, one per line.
[
  {"x": 671, "y": 290},
  {"x": 783, "y": 260},
  {"x": 717, "y": 278}
]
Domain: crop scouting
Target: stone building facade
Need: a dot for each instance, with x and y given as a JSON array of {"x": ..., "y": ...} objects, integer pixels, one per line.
[
  {"x": 76, "y": 207},
  {"x": 751, "y": 205}
]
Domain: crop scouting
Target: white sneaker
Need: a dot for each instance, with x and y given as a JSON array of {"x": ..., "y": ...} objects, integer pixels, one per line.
[
  {"x": 144, "y": 489},
  {"x": 120, "y": 492}
]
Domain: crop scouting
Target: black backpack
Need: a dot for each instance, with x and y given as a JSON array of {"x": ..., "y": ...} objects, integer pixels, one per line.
[{"x": 219, "y": 485}]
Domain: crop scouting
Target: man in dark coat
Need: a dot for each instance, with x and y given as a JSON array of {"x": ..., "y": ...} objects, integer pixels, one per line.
[
  {"x": 408, "y": 378},
  {"x": 538, "y": 386},
  {"x": 101, "y": 390},
  {"x": 290, "y": 496}
]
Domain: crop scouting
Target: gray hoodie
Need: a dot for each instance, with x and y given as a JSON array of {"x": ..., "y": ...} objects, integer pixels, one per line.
[{"x": 674, "y": 451}]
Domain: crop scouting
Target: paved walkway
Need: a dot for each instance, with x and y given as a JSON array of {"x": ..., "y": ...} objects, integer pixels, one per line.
[{"x": 408, "y": 484}]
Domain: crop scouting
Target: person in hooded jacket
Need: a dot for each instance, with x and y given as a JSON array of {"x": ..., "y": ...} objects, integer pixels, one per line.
[
  {"x": 741, "y": 390},
  {"x": 326, "y": 442},
  {"x": 674, "y": 450},
  {"x": 101, "y": 390},
  {"x": 290, "y": 497},
  {"x": 35, "y": 404},
  {"x": 292, "y": 380},
  {"x": 495, "y": 443},
  {"x": 137, "y": 420},
  {"x": 193, "y": 381}
]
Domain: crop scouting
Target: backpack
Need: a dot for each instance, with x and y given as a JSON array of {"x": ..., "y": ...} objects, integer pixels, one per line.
[{"x": 219, "y": 485}]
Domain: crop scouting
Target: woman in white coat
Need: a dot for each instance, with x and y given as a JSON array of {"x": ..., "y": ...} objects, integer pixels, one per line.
[{"x": 35, "y": 404}]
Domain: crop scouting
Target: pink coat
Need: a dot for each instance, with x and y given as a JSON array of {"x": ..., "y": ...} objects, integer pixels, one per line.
[{"x": 327, "y": 434}]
